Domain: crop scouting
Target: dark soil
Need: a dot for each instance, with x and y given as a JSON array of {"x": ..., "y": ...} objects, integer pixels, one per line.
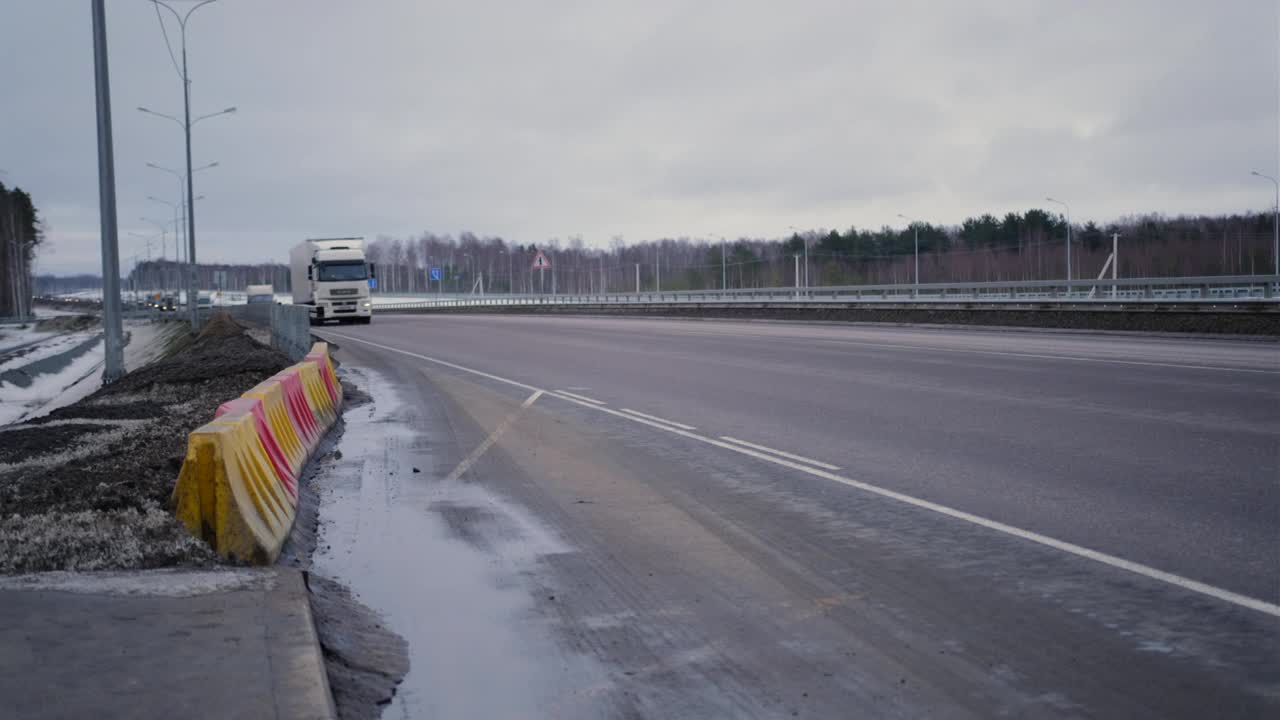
[
  {"x": 66, "y": 323},
  {"x": 364, "y": 660},
  {"x": 120, "y": 449}
]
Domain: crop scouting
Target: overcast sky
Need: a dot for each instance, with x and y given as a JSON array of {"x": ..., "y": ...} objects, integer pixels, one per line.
[{"x": 646, "y": 119}]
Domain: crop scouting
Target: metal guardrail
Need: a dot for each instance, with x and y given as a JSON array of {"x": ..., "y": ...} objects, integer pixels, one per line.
[
  {"x": 290, "y": 325},
  {"x": 1190, "y": 290}
]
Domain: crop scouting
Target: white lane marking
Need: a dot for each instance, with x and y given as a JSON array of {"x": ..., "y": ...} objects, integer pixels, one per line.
[
  {"x": 762, "y": 448},
  {"x": 1040, "y": 356},
  {"x": 471, "y": 459},
  {"x": 1071, "y": 548},
  {"x": 655, "y": 418},
  {"x": 575, "y": 396},
  {"x": 434, "y": 360}
]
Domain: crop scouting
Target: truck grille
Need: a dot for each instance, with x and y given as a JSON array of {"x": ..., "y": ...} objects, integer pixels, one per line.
[{"x": 344, "y": 291}]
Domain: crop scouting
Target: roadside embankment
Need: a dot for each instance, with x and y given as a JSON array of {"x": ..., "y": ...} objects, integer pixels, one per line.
[{"x": 87, "y": 486}]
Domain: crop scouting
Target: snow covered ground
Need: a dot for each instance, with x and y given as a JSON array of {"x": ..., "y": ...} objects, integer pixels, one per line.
[
  {"x": 49, "y": 391},
  {"x": 45, "y": 345},
  {"x": 12, "y": 336}
]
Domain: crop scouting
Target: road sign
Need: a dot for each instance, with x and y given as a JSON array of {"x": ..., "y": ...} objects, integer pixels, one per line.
[
  {"x": 373, "y": 283},
  {"x": 540, "y": 262},
  {"x": 436, "y": 274}
]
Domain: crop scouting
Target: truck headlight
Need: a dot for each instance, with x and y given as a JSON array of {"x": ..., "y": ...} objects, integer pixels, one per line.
[{"x": 367, "y": 304}]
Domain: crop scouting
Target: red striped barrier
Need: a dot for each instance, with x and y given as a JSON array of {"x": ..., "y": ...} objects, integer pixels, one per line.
[
  {"x": 238, "y": 488},
  {"x": 271, "y": 446}
]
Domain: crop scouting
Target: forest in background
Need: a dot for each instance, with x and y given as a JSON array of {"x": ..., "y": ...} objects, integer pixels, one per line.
[{"x": 1017, "y": 246}]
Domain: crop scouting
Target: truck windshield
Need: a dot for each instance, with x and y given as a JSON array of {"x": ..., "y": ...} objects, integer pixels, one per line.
[{"x": 342, "y": 271}]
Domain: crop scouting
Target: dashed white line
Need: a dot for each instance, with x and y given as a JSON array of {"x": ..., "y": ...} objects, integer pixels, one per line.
[
  {"x": 1195, "y": 586},
  {"x": 471, "y": 459},
  {"x": 655, "y": 418},
  {"x": 762, "y": 448},
  {"x": 575, "y": 396}
]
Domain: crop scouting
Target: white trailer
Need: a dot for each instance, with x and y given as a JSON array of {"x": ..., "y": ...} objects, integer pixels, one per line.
[{"x": 331, "y": 276}]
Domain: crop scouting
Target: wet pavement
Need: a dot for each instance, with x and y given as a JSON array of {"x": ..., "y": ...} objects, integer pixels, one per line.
[
  {"x": 546, "y": 558},
  {"x": 447, "y": 563}
]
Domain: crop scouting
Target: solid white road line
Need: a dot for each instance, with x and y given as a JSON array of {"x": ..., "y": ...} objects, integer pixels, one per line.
[
  {"x": 762, "y": 448},
  {"x": 471, "y": 459},
  {"x": 575, "y": 396},
  {"x": 682, "y": 426},
  {"x": 1195, "y": 586},
  {"x": 1041, "y": 356}
]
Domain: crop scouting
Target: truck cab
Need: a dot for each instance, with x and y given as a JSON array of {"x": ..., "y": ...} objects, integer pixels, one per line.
[{"x": 332, "y": 277}]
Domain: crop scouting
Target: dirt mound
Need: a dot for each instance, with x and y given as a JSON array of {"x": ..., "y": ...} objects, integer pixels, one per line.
[
  {"x": 66, "y": 323},
  {"x": 116, "y": 455},
  {"x": 222, "y": 349}
]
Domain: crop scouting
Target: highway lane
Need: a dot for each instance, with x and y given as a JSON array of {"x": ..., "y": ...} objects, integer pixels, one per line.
[{"x": 1152, "y": 450}]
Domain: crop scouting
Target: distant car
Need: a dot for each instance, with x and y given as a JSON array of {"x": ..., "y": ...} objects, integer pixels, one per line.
[{"x": 168, "y": 303}]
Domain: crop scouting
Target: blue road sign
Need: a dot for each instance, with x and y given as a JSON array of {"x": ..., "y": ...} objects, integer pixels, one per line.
[
  {"x": 436, "y": 274},
  {"x": 373, "y": 283}
]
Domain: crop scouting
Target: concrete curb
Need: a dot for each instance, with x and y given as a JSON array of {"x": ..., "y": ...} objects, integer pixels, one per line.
[
  {"x": 169, "y": 643},
  {"x": 301, "y": 683}
]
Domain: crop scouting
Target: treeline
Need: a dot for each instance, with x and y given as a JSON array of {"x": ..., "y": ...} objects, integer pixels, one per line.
[
  {"x": 169, "y": 275},
  {"x": 1017, "y": 246},
  {"x": 20, "y": 236}
]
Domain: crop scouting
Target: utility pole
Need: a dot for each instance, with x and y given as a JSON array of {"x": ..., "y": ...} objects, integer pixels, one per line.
[
  {"x": 1068, "y": 207},
  {"x": 1275, "y": 225},
  {"x": 112, "y": 328},
  {"x": 657, "y": 268},
  {"x": 915, "y": 225},
  {"x": 1115, "y": 263},
  {"x": 724, "y": 273},
  {"x": 637, "y": 278}
]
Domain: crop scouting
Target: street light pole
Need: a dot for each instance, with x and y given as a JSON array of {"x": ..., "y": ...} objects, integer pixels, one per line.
[
  {"x": 182, "y": 192},
  {"x": 112, "y": 326},
  {"x": 915, "y": 226},
  {"x": 186, "y": 127},
  {"x": 1068, "y": 207},
  {"x": 1275, "y": 226}
]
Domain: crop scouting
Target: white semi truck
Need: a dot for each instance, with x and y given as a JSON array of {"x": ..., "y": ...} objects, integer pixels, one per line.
[
  {"x": 255, "y": 294},
  {"x": 331, "y": 276}
]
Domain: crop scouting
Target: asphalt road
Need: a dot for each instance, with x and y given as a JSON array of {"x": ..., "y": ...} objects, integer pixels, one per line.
[{"x": 941, "y": 523}]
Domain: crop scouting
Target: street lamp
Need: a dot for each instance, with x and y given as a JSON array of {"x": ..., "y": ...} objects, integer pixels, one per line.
[
  {"x": 1275, "y": 226},
  {"x": 182, "y": 181},
  {"x": 1068, "y": 207},
  {"x": 186, "y": 124},
  {"x": 164, "y": 232},
  {"x": 915, "y": 225}
]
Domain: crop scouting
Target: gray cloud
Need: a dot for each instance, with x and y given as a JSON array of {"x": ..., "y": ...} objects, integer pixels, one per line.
[{"x": 537, "y": 120}]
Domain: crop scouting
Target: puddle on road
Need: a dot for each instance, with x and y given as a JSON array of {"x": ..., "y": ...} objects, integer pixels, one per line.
[{"x": 449, "y": 566}]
